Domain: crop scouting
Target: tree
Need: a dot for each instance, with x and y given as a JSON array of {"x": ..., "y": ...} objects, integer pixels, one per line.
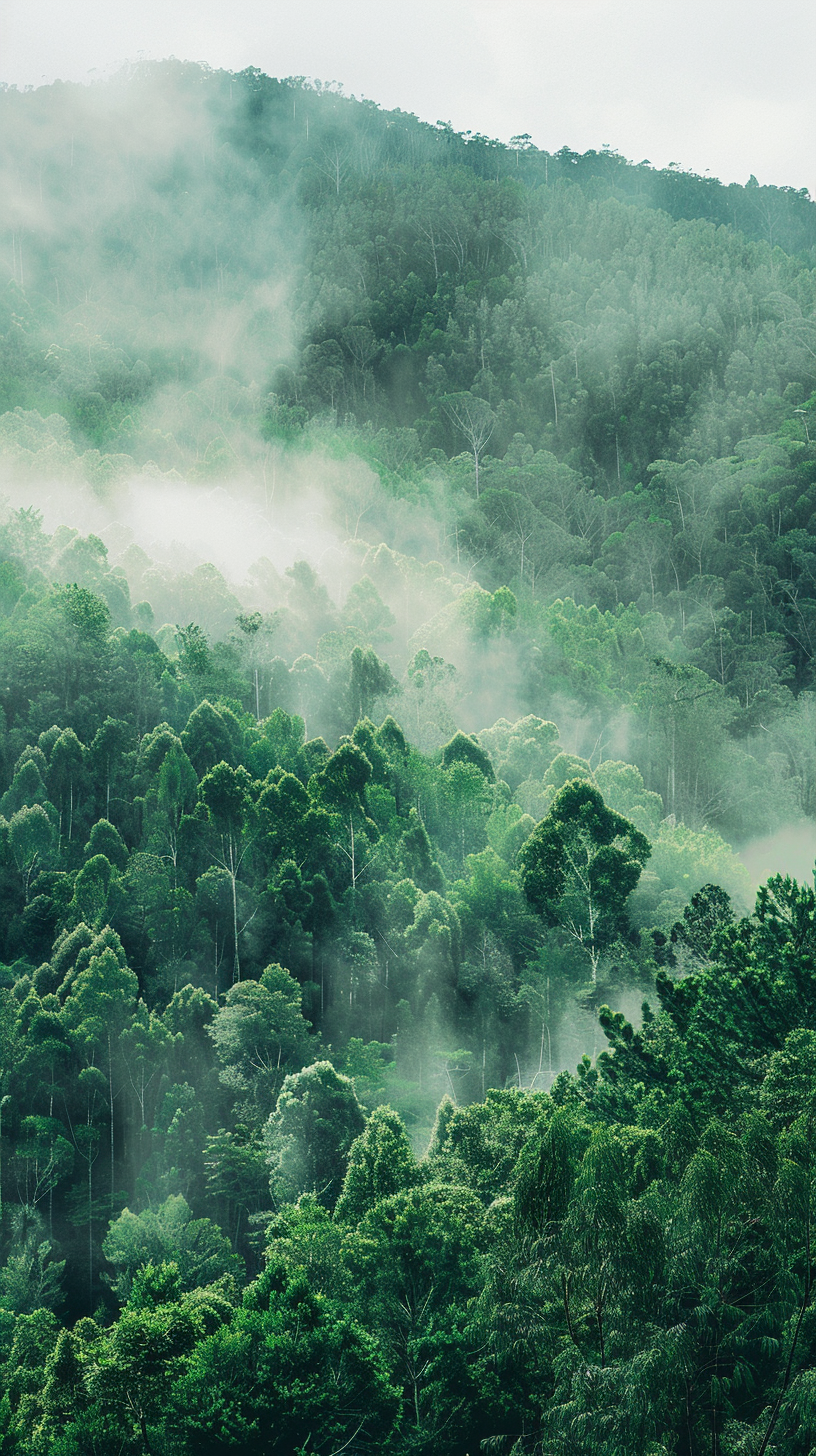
[
  {"x": 97, "y": 1010},
  {"x": 111, "y": 742},
  {"x": 366, "y": 609},
  {"x": 467, "y": 796},
  {"x": 92, "y": 888},
  {"x": 27, "y": 789},
  {"x": 475, "y": 420},
  {"x": 308, "y": 1242},
  {"x": 369, "y": 680},
  {"x": 76, "y": 623},
  {"x": 310, "y": 1134},
  {"x": 142, "y": 1046},
  {"x": 249, "y": 623},
  {"x": 381, "y": 1162},
  {"x": 64, "y": 1393},
  {"x": 278, "y": 746},
  {"x": 30, "y": 1278},
  {"x": 416, "y": 858},
  {"x": 31, "y": 841},
  {"x": 684, "y": 715},
  {"x": 580, "y": 866},
  {"x": 225, "y": 794},
  {"x": 43, "y": 1157},
  {"x": 520, "y": 750},
  {"x": 34, "y": 1338},
  {"x": 106, "y": 840},
  {"x": 260, "y": 1036},
  {"x": 175, "y": 797},
  {"x": 419, "y": 1267},
  {"x": 93, "y": 1092},
  {"x": 163, "y": 917},
  {"x": 237, "y": 1177},
  {"x": 309, "y": 685},
  {"x": 213, "y": 901},
  {"x": 341, "y": 785},
  {"x": 206, "y": 739},
  {"x": 430, "y": 692},
  {"x": 141, "y": 1360},
  {"x": 65, "y": 775},
  {"x": 463, "y": 748},
  {"x": 708, "y": 912},
  {"x": 290, "y": 1371},
  {"x": 789, "y": 1086},
  {"x": 167, "y": 1234}
]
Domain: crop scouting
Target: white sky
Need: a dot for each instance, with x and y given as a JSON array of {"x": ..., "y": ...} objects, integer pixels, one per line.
[{"x": 720, "y": 85}]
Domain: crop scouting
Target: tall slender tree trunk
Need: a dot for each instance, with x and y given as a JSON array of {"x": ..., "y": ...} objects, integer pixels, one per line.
[
  {"x": 90, "y": 1228},
  {"x": 2, "y": 1100},
  {"x": 110, "y": 1101},
  {"x": 236, "y": 969}
]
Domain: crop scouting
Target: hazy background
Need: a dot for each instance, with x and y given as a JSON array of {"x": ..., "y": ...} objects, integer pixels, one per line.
[{"x": 718, "y": 85}]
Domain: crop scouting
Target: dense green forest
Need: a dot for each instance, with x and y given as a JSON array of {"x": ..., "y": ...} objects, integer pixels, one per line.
[{"x": 407, "y": 641}]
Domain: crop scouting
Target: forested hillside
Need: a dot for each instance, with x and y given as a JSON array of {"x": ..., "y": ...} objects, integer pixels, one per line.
[{"x": 407, "y": 632}]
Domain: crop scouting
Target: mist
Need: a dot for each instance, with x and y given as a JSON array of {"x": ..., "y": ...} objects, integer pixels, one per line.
[
  {"x": 407, "y": 623},
  {"x": 791, "y": 851},
  {"x": 407, "y": 689}
]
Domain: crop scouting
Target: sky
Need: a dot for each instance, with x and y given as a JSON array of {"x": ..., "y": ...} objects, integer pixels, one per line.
[{"x": 723, "y": 86}]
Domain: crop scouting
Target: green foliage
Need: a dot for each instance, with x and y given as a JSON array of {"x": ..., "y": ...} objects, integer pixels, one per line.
[
  {"x": 310, "y": 1135},
  {"x": 567, "y": 501},
  {"x": 288, "y": 1370},
  {"x": 30, "y": 1278},
  {"x": 521, "y": 750},
  {"x": 581, "y": 864},
  {"x": 260, "y": 1037},
  {"x": 106, "y": 840},
  {"x": 463, "y": 749},
  {"x": 165, "y": 1235},
  {"x": 380, "y": 1163}
]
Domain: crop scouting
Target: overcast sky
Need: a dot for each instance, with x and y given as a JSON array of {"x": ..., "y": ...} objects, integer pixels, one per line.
[{"x": 720, "y": 85}]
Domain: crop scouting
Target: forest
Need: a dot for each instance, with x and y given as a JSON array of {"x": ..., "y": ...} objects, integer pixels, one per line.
[{"x": 407, "y": 786}]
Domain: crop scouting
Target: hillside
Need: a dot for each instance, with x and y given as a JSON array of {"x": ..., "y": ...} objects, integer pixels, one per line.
[{"x": 407, "y": 632}]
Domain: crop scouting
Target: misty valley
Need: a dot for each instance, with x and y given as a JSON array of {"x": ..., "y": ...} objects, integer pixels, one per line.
[{"x": 407, "y": 786}]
